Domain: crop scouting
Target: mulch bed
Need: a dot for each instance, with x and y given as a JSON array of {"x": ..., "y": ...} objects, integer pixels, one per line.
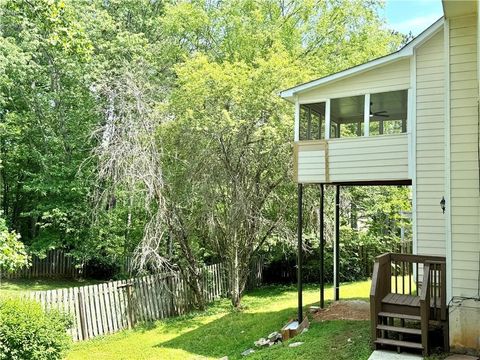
[{"x": 344, "y": 310}]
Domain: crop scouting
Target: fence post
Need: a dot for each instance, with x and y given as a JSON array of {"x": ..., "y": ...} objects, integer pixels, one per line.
[
  {"x": 130, "y": 305},
  {"x": 171, "y": 290},
  {"x": 131, "y": 315},
  {"x": 81, "y": 314}
]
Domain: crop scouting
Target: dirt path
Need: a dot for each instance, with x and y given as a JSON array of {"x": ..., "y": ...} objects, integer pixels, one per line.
[{"x": 344, "y": 310}]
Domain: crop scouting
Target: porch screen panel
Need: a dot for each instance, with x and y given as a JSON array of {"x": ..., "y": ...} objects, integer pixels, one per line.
[
  {"x": 312, "y": 121},
  {"x": 347, "y": 117},
  {"x": 388, "y": 112}
]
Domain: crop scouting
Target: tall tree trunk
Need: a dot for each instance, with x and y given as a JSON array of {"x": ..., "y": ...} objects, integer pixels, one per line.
[
  {"x": 236, "y": 279},
  {"x": 127, "y": 237}
]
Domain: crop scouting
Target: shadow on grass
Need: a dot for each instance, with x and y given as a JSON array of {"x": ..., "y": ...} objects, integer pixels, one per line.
[
  {"x": 273, "y": 290},
  {"x": 230, "y": 334},
  {"x": 186, "y": 321},
  {"x": 222, "y": 331},
  {"x": 235, "y": 332}
]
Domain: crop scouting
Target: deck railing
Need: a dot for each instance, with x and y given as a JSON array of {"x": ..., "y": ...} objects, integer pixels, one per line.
[
  {"x": 412, "y": 275},
  {"x": 422, "y": 277}
]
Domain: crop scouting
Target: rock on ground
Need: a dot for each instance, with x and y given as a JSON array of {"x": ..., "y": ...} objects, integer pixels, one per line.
[
  {"x": 262, "y": 342},
  {"x": 248, "y": 352},
  {"x": 295, "y": 344},
  {"x": 274, "y": 336}
]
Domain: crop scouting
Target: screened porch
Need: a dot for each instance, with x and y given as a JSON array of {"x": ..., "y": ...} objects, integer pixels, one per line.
[{"x": 353, "y": 139}]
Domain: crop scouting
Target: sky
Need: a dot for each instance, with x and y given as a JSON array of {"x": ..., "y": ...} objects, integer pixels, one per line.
[{"x": 412, "y": 15}]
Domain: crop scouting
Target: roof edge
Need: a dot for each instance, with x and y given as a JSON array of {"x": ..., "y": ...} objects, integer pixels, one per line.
[{"x": 404, "y": 52}]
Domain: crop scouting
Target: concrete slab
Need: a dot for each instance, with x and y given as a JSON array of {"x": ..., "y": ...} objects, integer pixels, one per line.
[{"x": 391, "y": 355}]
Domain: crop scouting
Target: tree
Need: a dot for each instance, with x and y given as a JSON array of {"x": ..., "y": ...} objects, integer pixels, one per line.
[
  {"x": 45, "y": 120},
  {"x": 167, "y": 115},
  {"x": 230, "y": 134},
  {"x": 129, "y": 172},
  {"x": 12, "y": 251}
]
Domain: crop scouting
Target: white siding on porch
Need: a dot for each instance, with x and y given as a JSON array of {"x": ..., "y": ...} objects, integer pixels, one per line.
[
  {"x": 373, "y": 158},
  {"x": 430, "y": 154},
  {"x": 311, "y": 165},
  {"x": 465, "y": 200},
  {"x": 353, "y": 159}
]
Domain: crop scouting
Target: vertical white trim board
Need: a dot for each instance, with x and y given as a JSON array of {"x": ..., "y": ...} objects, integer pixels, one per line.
[
  {"x": 448, "y": 212},
  {"x": 296, "y": 136},
  {"x": 413, "y": 146},
  {"x": 366, "y": 115},
  {"x": 327, "y": 119}
]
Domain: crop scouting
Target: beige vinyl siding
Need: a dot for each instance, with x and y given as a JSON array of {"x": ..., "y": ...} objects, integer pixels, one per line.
[
  {"x": 393, "y": 76},
  {"x": 311, "y": 165},
  {"x": 464, "y": 156},
  {"x": 373, "y": 158},
  {"x": 430, "y": 147}
]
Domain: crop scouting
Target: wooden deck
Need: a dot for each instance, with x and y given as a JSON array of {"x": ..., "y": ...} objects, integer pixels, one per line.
[{"x": 407, "y": 300}]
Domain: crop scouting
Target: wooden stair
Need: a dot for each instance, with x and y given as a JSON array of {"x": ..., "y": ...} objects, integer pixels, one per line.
[
  {"x": 392, "y": 335},
  {"x": 402, "y": 317},
  {"x": 400, "y": 329},
  {"x": 399, "y": 343},
  {"x": 399, "y": 316}
]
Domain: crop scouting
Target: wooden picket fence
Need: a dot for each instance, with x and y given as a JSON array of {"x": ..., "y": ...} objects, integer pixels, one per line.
[
  {"x": 56, "y": 263},
  {"x": 116, "y": 305}
]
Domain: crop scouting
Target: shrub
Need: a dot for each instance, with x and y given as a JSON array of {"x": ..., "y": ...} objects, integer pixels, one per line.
[
  {"x": 28, "y": 332},
  {"x": 357, "y": 254},
  {"x": 12, "y": 250}
]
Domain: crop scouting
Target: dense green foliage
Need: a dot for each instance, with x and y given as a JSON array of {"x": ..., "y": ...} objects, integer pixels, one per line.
[
  {"x": 12, "y": 251},
  {"x": 27, "y": 332},
  {"x": 371, "y": 223},
  {"x": 127, "y": 123}
]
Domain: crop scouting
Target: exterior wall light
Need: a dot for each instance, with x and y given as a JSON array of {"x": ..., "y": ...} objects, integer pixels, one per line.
[{"x": 442, "y": 204}]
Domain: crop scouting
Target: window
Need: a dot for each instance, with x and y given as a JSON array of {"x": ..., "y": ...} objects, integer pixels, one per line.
[
  {"x": 312, "y": 121},
  {"x": 388, "y": 112},
  {"x": 347, "y": 116}
]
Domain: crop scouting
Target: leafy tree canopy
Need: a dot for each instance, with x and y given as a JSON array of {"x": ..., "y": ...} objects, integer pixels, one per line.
[{"x": 194, "y": 82}]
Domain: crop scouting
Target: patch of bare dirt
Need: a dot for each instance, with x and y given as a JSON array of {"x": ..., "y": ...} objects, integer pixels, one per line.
[{"x": 344, "y": 310}]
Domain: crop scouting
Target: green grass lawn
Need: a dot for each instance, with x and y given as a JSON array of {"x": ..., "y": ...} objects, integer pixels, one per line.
[
  {"x": 222, "y": 331},
  {"x": 9, "y": 288}
]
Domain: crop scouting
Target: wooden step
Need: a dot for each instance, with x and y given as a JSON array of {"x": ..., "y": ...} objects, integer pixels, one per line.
[
  {"x": 408, "y": 300},
  {"x": 403, "y": 330},
  {"x": 400, "y": 316},
  {"x": 402, "y": 299},
  {"x": 408, "y": 344}
]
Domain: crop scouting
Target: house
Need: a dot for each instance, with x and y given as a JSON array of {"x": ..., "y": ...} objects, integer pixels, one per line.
[{"x": 408, "y": 118}]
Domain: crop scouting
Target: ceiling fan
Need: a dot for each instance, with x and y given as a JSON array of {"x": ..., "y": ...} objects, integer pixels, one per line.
[{"x": 382, "y": 113}]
